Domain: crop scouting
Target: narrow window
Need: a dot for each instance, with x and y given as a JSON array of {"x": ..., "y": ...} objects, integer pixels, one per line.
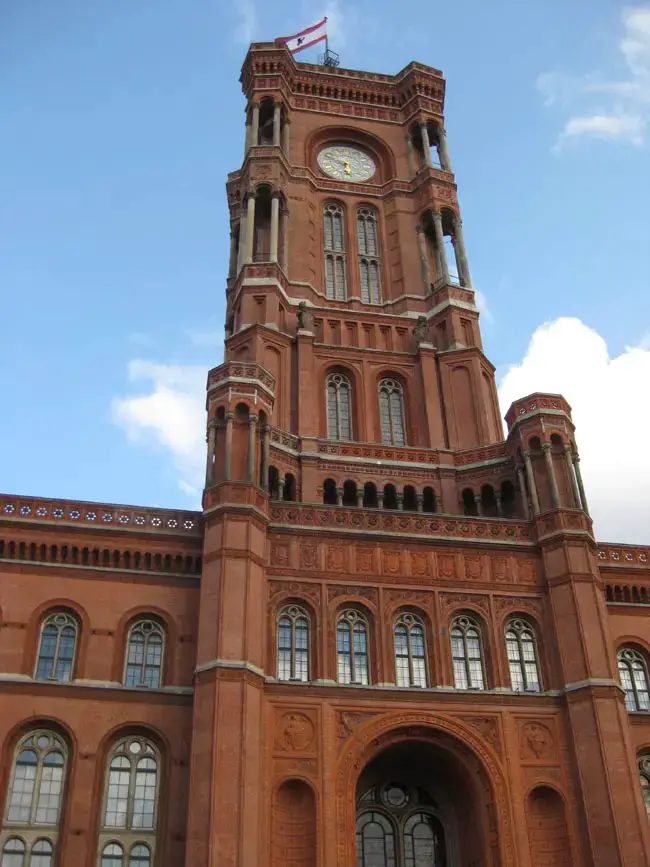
[
  {"x": 130, "y": 804},
  {"x": 293, "y": 644},
  {"x": 339, "y": 426},
  {"x": 352, "y": 648},
  {"x": 34, "y": 800},
  {"x": 466, "y": 654},
  {"x": 410, "y": 655},
  {"x": 522, "y": 657},
  {"x": 144, "y": 656},
  {"x": 334, "y": 244},
  {"x": 634, "y": 679},
  {"x": 391, "y": 413},
  {"x": 644, "y": 778},
  {"x": 368, "y": 247},
  {"x": 57, "y": 648},
  {"x": 375, "y": 841}
]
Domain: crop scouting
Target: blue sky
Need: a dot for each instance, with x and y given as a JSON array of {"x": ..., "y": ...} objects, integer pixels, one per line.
[{"x": 118, "y": 123}]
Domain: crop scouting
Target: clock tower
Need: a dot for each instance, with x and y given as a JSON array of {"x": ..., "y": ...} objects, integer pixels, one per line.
[{"x": 403, "y": 653}]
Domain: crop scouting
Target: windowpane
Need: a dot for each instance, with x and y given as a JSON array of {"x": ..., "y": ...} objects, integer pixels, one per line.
[
  {"x": 522, "y": 657},
  {"x": 49, "y": 794},
  {"x": 634, "y": 680},
  {"x": 339, "y": 275},
  {"x": 57, "y": 648},
  {"x": 144, "y": 797},
  {"x": 333, "y": 239},
  {"x": 42, "y": 853},
  {"x": 22, "y": 787},
  {"x": 144, "y": 655},
  {"x": 329, "y": 276},
  {"x": 410, "y": 664},
  {"x": 645, "y": 787},
  {"x": 140, "y": 856},
  {"x": 117, "y": 801},
  {"x": 391, "y": 413},
  {"x": 375, "y": 841},
  {"x": 112, "y": 856},
  {"x": 338, "y": 407},
  {"x": 364, "y": 279},
  {"x": 293, "y": 645},
  {"x": 13, "y": 853}
]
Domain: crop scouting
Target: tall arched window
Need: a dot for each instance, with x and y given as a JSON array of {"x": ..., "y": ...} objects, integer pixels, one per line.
[
  {"x": 293, "y": 644},
  {"x": 352, "y": 648},
  {"x": 644, "y": 778},
  {"x": 128, "y": 832},
  {"x": 57, "y": 648},
  {"x": 144, "y": 655},
  {"x": 368, "y": 247},
  {"x": 466, "y": 654},
  {"x": 634, "y": 679},
  {"x": 391, "y": 413},
  {"x": 522, "y": 656},
  {"x": 33, "y": 805},
  {"x": 410, "y": 652},
  {"x": 334, "y": 244},
  {"x": 339, "y": 426}
]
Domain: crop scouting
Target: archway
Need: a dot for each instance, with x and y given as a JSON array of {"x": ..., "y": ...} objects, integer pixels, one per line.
[{"x": 425, "y": 794}]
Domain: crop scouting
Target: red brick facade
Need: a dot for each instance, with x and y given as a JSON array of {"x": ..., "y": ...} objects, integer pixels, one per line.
[{"x": 390, "y": 638}]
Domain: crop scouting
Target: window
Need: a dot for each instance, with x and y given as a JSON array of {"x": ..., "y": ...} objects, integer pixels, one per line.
[
  {"x": 339, "y": 426},
  {"x": 34, "y": 801},
  {"x": 644, "y": 776},
  {"x": 634, "y": 679},
  {"x": 352, "y": 648},
  {"x": 410, "y": 661},
  {"x": 522, "y": 657},
  {"x": 368, "y": 246},
  {"x": 293, "y": 644},
  {"x": 130, "y": 804},
  {"x": 375, "y": 841},
  {"x": 334, "y": 244},
  {"x": 466, "y": 654},
  {"x": 391, "y": 413},
  {"x": 56, "y": 652},
  {"x": 144, "y": 655}
]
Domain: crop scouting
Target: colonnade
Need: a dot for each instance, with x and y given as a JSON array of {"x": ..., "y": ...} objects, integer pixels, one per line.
[
  {"x": 575, "y": 476},
  {"x": 224, "y": 427}
]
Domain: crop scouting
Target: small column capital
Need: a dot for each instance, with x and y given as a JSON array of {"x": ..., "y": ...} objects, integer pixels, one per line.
[
  {"x": 546, "y": 447},
  {"x": 526, "y": 454}
]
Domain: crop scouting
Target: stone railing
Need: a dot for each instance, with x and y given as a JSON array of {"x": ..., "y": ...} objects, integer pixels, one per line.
[
  {"x": 480, "y": 454},
  {"x": 405, "y": 454},
  {"x": 338, "y": 518},
  {"x": 623, "y": 555},
  {"x": 241, "y": 370},
  {"x": 99, "y": 515},
  {"x": 536, "y": 403}
]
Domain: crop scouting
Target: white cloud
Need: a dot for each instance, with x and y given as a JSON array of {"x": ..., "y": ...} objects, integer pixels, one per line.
[
  {"x": 169, "y": 411},
  {"x": 482, "y": 305},
  {"x": 246, "y": 26},
  {"x": 610, "y": 411},
  {"x": 627, "y": 118},
  {"x": 210, "y": 338}
]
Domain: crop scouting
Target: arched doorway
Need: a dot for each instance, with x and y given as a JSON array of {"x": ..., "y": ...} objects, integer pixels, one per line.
[{"x": 422, "y": 794}]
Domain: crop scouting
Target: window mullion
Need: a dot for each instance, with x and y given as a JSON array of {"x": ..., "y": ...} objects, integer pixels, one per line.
[
  {"x": 131, "y": 795},
  {"x": 37, "y": 789},
  {"x": 353, "y": 673},
  {"x": 294, "y": 650},
  {"x": 55, "y": 656}
]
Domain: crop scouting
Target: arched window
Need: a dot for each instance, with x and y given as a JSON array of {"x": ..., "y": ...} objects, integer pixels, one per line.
[
  {"x": 368, "y": 247},
  {"x": 34, "y": 801},
  {"x": 339, "y": 426},
  {"x": 466, "y": 654},
  {"x": 644, "y": 777},
  {"x": 293, "y": 644},
  {"x": 334, "y": 244},
  {"x": 391, "y": 413},
  {"x": 634, "y": 679},
  {"x": 375, "y": 841},
  {"x": 410, "y": 653},
  {"x": 57, "y": 648},
  {"x": 352, "y": 648},
  {"x": 522, "y": 657},
  {"x": 130, "y": 804},
  {"x": 144, "y": 657}
]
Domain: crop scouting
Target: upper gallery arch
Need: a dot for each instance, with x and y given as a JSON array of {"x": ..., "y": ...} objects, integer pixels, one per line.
[{"x": 344, "y": 135}]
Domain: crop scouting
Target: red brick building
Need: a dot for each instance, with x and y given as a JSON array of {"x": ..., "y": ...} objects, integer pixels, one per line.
[{"x": 390, "y": 638}]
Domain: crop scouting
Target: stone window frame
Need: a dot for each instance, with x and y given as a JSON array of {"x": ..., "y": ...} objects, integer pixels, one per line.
[
  {"x": 298, "y": 672},
  {"x": 59, "y": 620},
  {"x": 418, "y": 675},
  {"x": 153, "y": 628},
  {"x": 389, "y": 424},
  {"x": 350, "y": 618},
  {"x": 465, "y": 624},
  {"x": 338, "y": 380},
  {"x": 520, "y": 626},
  {"x": 334, "y": 253},
  {"x": 632, "y": 661}
]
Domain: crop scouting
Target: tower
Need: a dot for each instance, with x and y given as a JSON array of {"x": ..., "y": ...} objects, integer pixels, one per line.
[{"x": 387, "y": 581}]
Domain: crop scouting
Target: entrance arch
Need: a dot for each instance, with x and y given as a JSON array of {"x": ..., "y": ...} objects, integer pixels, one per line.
[{"x": 427, "y": 773}]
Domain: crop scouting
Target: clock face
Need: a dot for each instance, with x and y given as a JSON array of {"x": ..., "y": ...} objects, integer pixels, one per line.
[{"x": 346, "y": 163}]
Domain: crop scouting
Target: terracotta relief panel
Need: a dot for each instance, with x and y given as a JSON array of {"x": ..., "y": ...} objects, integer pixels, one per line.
[
  {"x": 295, "y": 732},
  {"x": 537, "y": 741}
]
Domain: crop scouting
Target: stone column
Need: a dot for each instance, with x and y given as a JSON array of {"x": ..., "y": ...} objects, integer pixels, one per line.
[
  {"x": 440, "y": 244},
  {"x": 285, "y": 240},
  {"x": 568, "y": 453},
  {"x": 419, "y": 500},
  {"x": 209, "y": 466},
  {"x": 250, "y": 228},
  {"x": 266, "y": 448},
  {"x": 339, "y": 496},
  {"x": 530, "y": 477},
  {"x": 380, "y": 499},
  {"x": 522, "y": 490},
  {"x": 426, "y": 144},
  {"x": 445, "y": 162},
  {"x": 497, "y": 497},
  {"x": 461, "y": 254},
  {"x": 550, "y": 469},
  {"x": 424, "y": 259},
  {"x": 241, "y": 253},
  {"x": 281, "y": 484},
  {"x": 252, "y": 443},
  {"x": 247, "y": 137},
  {"x": 479, "y": 505},
  {"x": 232, "y": 261},
  {"x": 410, "y": 155},
  {"x": 360, "y": 497},
  {"x": 255, "y": 126},
  {"x": 400, "y": 501},
  {"x": 581, "y": 487},
  {"x": 286, "y": 137},
  {"x": 228, "y": 449},
  {"x": 277, "y": 124},
  {"x": 275, "y": 226}
]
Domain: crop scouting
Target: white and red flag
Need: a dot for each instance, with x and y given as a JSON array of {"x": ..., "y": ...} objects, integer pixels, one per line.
[{"x": 310, "y": 36}]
